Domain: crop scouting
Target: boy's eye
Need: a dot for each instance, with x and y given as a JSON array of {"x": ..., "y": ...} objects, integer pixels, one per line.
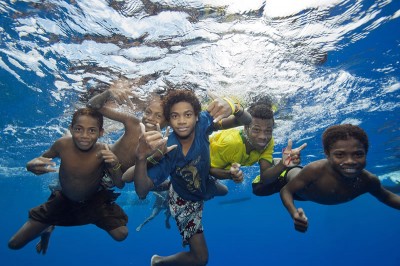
[
  {"x": 76, "y": 129},
  {"x": 92, "y": 131},
  {"x": 360, "y": 154}
]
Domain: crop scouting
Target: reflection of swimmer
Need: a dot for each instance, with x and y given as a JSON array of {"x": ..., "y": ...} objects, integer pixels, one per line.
[
  {"x": 232, "y": 201},
  {"x": 160, "y": 203},
  {"x": 339, "y": 178}
]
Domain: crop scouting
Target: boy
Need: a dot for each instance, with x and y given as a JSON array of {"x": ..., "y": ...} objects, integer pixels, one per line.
[
  {"x": 125, "y": 146},
  {"x": 188, "y": 165},
  {"x": 81, "y": 199},
  {"x": 339, "y": 178},
  {"x": 233, "y": 148}
]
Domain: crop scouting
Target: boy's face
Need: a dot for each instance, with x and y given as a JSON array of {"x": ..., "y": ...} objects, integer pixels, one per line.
[
  {"x": 183, "y": 119},
  {"x": 85, "y": 132},
  {"x": 154, "y": 115},
  {"x": 259, "y": 132},
  {"x": 347, "y": 157}
]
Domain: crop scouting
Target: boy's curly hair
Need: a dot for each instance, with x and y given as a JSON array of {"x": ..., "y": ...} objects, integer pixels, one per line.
[
  {"x": 89, "y": 112},
  {"x": 174, "y": 96},
  {"x": 343, "y": 132}
]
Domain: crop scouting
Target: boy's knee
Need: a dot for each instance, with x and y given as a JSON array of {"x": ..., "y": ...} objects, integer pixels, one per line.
[
  {"x": 202, "y": 260},
  {"x": 120, "y": 233},
  {"x": 13, "y": 244}
]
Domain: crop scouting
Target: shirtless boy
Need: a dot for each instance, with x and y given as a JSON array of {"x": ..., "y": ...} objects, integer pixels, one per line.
[
  {"x": 339, "y": 178},
  {"x": 81, "y": 199}
]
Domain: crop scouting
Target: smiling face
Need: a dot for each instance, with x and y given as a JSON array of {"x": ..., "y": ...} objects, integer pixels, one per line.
[
  {"x": 183, "y": 119},
  {"x": 347, "y": 157},
  {"x": 85, "y": 132},
  {"x": 153, "y": 115},
  {"x": 259, "y": 133}
]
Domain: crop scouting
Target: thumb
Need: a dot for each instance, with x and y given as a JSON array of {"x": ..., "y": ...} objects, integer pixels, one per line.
[
  {"x": 302, "y": 146},
  {"x": 236, "y": 165},
  {"x": 142, "y": 128},
  {"x": 107, "y": 147}
]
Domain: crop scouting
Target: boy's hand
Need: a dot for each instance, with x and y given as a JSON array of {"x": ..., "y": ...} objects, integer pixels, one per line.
[
  {"x": 300, "y": 221},
  {"x": 291, "y": 157},
  {"x": 236, "y": 173},
  {"x": 160, "y": 152},
  {"x": 122, "y": 96},
  {"x": 108, "y": 156},
  {"x": 41, "y": 165},
  {"x": 150, "y": 142},
  {"x": 218, "y": 108}
]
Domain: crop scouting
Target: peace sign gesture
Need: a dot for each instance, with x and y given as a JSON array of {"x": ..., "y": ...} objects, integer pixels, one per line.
[{"x": 291, "y": 157}]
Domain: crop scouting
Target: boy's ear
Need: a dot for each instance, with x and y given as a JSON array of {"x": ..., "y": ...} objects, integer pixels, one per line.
[{"x": 101, "y": 132}]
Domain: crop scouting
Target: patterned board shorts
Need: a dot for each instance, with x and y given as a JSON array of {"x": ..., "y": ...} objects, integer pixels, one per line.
[{"x": 187, "y": 215}]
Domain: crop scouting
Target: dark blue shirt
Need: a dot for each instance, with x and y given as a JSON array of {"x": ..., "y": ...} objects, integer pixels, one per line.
[{"x": 188, "y": 173}]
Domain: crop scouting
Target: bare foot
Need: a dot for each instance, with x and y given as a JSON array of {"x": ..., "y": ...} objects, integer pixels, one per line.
[
  {"x": 154, "y": 260},
  {"x": 43, "y": 244}
]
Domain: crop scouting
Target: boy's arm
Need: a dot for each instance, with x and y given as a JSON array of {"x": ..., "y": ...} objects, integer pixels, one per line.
[
  {"x": 149, "y": 142},
  {"x": 290, "y": 157},
  {"x": 287, "y": 193},
  {"x": 121, "y": 96},
  {"x": 234, "y": 173},
  {"x": 382, "y": 194},
  {"x": 113, "y": 166}
]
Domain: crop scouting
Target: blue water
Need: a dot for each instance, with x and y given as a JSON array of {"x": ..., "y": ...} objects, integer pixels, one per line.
[{"x": 52, "y": 52}]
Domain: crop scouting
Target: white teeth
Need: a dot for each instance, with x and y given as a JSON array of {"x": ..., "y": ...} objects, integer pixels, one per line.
[{"x": 350, "y": 170}]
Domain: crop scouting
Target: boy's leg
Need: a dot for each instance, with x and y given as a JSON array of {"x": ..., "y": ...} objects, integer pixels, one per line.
[
  {"x": 29, "y": 231},
  {"x": 196, "y": 256}
]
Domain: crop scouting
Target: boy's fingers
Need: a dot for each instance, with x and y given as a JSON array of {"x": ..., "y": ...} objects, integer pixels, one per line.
[
  {"x": 167, "y": 132},
  {"x": 107, "y": 148},
  {"x": 212, "y": 95},
  {"x": 302, "y": 146}
]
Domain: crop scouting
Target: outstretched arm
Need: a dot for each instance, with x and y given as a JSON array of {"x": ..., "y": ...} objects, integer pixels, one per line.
[
  {"x": 121, "y": 96},
  {"x": 149, "y": 142},
  {"x": 290, "y": 157},
  {"x": 299, "y": 218},
  {"x": 234, "y": 173},
  {"x": 382, "y": 194}
]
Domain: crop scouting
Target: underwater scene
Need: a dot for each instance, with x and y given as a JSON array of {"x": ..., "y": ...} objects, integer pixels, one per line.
[{"x": 321, "y": 63}]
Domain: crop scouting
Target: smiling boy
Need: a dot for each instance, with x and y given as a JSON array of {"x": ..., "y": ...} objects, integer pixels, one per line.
[{"x": 339, "y": 178}]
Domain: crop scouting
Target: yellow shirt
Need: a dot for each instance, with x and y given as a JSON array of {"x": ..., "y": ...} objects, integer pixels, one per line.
[{"x": 227, "y": 147}]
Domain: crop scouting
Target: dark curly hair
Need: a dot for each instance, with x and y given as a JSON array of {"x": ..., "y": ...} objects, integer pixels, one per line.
[
  {"x": 89, "y": 112},
  {"x": 174, "y": 96},
  {"x": 343, "y": 132},
  {"x": 261, "y": 109}
]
